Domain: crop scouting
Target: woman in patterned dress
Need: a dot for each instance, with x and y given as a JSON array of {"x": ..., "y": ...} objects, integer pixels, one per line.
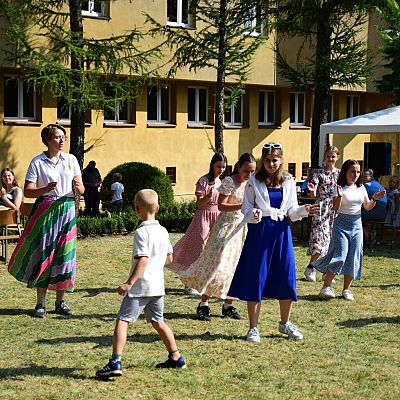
[
  {"x": 188, "y": 249},
  {"x": 212, "y": 273},
  {"x": 323, "y": 181}
]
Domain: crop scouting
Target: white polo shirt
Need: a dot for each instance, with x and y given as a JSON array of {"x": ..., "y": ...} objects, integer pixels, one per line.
[
  {"x": 151, "y": 240},
  {"x": 42, "y": 171}
]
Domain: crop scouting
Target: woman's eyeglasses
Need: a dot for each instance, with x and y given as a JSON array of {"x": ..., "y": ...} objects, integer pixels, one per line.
[
  {"x": 60, "y": 138},
  {"x": 272, "y": 146}
]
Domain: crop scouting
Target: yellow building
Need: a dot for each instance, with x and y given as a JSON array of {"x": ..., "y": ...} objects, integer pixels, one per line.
[{"x": 171, "y": 127}]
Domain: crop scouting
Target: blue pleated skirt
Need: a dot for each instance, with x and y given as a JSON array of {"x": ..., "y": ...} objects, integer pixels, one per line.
[
  {"x": 266, "y": 267},
  {"x": 345, "y": 251}
]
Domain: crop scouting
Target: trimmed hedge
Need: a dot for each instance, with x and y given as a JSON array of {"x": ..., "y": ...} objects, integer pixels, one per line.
[{"x": 137, "y": 176}]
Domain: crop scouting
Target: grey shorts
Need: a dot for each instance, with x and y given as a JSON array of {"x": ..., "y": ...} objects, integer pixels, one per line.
[{"x": 131, "y": 308}]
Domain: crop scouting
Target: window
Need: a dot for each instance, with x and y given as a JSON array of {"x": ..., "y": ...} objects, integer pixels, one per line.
[
  {"x": 63, "y": 111},
  {"x": 266, "y": 108},
  {"x": 234, "y": 115},
  {"x": 292, "y": 169},
  {"x": 353, "y": 106},
  {"x": 178, "y": 13},
  {"x": 197, "y": 105},
  {"x": 171, "y": 172},
  {"x": 253, "y": 23},
  {"x": 94, "y": 8},
  {"x": 19, "y": 99},
  {"x": 117, "y": 113},
  {"x": 304, "y": 170},
  {"x": 330, "y": 108},
  {"x": 297, "y": 109},
  {"x": 158, "y": 104}
]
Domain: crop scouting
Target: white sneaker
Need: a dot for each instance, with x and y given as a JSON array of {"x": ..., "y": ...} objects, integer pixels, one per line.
[
  {"x": 347, "y": 295},
  {"x": 327, "y": 293},
  {"x": 253, "y": 335},
  {"x": 310, "y": 274},
  {"x": 192, "y": 292},
  {"x": 291, "y": 330}
]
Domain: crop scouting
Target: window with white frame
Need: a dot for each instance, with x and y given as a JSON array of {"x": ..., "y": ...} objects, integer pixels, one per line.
[
  {"x": 118, "y": 111},
  {"x": 178, "y": 13},
  {"x": 353, "y": 106},
  {"x": 253, "y": 22},
  {"x": 297, "y": 109},
  {"x": 158, "y": 104},
  {"x": 94, "y": 8},
  {"x": 234, "y": 114},
  {"x": 266, "y": 107},
  {"x": 197, "y": 105},
  {"x": 19, "y": 99}
]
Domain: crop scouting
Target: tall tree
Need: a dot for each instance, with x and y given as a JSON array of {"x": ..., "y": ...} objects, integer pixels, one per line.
[
  {"x": 390, "y": 83},
  {"x": 330, "y": 30},
  {"x": 227, "y": 36},
  {"x": 46, "y": 41}
]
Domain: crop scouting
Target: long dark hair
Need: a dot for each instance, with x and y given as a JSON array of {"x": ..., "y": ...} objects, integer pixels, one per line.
[
  {"x": 215, "y": 158},
  {"x": 245, "y": 157},
  {"x": 342, "y": 181},
  {"x": 15, "y": 183},
  {"x": 262, "y": 174}
]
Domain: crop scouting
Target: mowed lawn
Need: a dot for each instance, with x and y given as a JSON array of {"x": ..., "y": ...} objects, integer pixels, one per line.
[{"x": 351, "y": 350}]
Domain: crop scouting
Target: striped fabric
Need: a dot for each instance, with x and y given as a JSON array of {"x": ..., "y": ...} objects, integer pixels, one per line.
[{"x": 45, "y": 255}]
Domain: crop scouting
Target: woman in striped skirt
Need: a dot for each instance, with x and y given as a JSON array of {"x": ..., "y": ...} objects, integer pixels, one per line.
[{"x": 45, "y": 256}]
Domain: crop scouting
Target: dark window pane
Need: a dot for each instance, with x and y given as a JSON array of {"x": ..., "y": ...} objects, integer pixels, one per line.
[
  {"x": 172, "y": 11},
  {"x": 203, "y": 105},
  {"x": 355, "y": 106},
  {"x": 123, "y": 111},
  {"x": 191, "y": 104},
  {"x": 238, "y": 110},
  {"x": 330, "y": 108},
  {"x": 261, "y": 106},
  {"x": 62, "y": 109},
  {"x": 300, "y": 111},
  {"x": 185, "y": 12},
  {"x": 228, "y": 117},
  {"x": 271, "y": 108},
  {"x": 348, "y": 109},
  {"x": 11, "y": 98},
  {"x": 292, "y": 107},
  {"x": 97, "y": 6},
  {"x": 152, "y": 104},
  {"x": 85, "y": 6},
  {"x": 28, "y": 101},
  {"x": 109, "y": 112},
  {"x": 164, "y": 104}
]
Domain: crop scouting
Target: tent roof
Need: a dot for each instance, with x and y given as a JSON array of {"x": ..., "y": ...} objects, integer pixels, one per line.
[{"x": 382, "y": 121}]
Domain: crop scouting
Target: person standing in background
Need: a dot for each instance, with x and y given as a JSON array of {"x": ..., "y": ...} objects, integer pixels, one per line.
[{"x": 91, "y": 180}]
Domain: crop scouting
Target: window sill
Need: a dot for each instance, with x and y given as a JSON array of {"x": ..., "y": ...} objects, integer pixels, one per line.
[
  {"x": 235, "y": 127},
  {"x": 176, "y": 25},
  {"x": 265, "y": 126},
  {"x": 300, "y": 127},
  {"x": 194, "y": 125},
  {"x": 102, "y": 17},
  {"x": 21, "y": 122},
  {"x": 118, "y": 125},
  {"x": 160, "y": 125},
  {"x": 67, "y": 124}
]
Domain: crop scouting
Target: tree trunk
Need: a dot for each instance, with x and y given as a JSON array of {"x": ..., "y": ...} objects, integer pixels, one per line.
[
  {"x": 322, "y": 81},
  {"x": 77, "y": 68},
  {"x": 220, "y": 87}
]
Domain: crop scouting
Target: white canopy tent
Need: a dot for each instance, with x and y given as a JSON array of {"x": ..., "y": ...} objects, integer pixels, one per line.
[{"x": 382, "y": 121}]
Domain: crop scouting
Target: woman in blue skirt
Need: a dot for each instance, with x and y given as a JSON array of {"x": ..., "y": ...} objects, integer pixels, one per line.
[
  {"x": 266, "y": 266},
  {"x": 344, "y": 255}
]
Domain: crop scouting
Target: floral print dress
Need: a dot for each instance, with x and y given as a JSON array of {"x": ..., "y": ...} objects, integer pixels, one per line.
[{"x": 322, "y": 223}]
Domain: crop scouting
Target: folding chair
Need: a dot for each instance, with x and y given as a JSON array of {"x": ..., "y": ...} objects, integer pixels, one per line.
[{"x": 9, "y": 221}]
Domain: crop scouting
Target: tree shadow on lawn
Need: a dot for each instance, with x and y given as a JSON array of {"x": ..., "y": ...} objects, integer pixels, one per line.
[
  {"x": 93, "y": 292},
  {"x": 310, "y": 297},
  {"x": 39, "y": 370},
  {"x": 359, "y": 323},
  {"x": 389, "y": 286},
  {"x": 15, "y": 311}
]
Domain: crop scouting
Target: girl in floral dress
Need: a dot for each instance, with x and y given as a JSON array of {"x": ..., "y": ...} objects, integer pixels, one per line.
[
  {"x": 188, "y": 249},
  {"x": 212, "y": 273},
  {"x": 323, "y": 181}
]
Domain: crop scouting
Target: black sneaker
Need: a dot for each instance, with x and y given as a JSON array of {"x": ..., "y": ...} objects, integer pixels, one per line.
[
  {"x": 204, "y": 313},
  {"x": 171, "y": 363},
  {"x": 230, "y": 312},
  {"x": 63, "y": 309},
  {"x": 39, "y": 311},
  {"x": 113, "y": 368}
]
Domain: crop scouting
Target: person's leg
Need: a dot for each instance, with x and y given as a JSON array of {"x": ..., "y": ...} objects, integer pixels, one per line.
[
  {"x": 167, "y": 338},
  {"x": 41, "y": 296},
  {"x": 347, "y": 282},
  {"x": 285, "y": 307},
  {"x": 119, "y": 337},
  {"x": 253, "y": 310},
  {"x": 329, "y": 276},
  {"x": 61, "y": 307},
  {"x": 203, "y": 310},
  {"x": 285, "y": 326}
]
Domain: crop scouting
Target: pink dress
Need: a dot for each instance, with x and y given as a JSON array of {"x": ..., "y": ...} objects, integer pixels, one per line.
[{"x": 188, "y": 249}]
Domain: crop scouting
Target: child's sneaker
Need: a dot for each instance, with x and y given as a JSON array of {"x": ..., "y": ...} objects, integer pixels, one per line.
[
  {"x": 230, "y": 312},
  {"x": 113, "y": 368},
  {"x": 348, "y": 295},
  {"x": 310, "y": 274},
  {"x": 253, "y": 335},
  {"x": 39, "y": 311},
  {"x": 171, "y": 363},
  {"x": 204, "y": 313},
  {"x": 326, "y": 293},
  {"x": 291, "y": 330},
  {"x": 62, "y": 308}
]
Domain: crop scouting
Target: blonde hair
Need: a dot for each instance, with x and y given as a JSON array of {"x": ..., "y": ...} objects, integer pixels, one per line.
[
  {"x": 147, "y": 199},
  {"x": 333, "y": 149}
]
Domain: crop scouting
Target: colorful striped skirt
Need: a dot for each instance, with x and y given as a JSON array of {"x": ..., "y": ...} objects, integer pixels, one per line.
[{"x": 45, "y": 255}]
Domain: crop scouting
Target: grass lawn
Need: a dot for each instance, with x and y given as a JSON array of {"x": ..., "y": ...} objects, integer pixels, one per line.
[{"x": 351, "y": 350}]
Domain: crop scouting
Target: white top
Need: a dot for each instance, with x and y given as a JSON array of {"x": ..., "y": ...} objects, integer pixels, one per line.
[
  {"x": 42, "y": 171},
  {"x": 118, "y": 189},
  {"x": 151, "y": 240},
  {"x": 256, "y": 197},
  {"x": 352, "y": 200}
]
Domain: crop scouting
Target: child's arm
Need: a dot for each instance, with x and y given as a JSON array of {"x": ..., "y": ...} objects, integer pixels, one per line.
[
  {"x": 223, "y": 204},
  {"x": 169, "y": 259},
  {"x": 135, "y": 275},
  {"x": 338, "y": 199}
]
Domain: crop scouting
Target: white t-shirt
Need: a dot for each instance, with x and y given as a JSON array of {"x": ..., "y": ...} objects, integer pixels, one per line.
[
  {"x": 118, "y": 189},
  {"x": 352, "y": 200},
  {"x": 42, "y": 171},
  {"x": 151, "y": 240}
]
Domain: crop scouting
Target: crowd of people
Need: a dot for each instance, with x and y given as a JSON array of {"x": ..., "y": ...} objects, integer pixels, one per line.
[{"x": 238, "y": 246}]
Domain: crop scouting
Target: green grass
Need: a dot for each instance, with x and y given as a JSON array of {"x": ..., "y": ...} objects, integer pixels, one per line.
[{"x": 351, "y": 349}]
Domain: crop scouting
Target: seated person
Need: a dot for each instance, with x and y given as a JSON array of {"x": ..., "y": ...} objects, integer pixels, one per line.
[{"x": 10, "y": 192}]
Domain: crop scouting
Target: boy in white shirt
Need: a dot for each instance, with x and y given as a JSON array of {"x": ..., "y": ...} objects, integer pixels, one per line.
[
  {"x": 117, "y": 190},
  {"x": 144, "y": 289}
]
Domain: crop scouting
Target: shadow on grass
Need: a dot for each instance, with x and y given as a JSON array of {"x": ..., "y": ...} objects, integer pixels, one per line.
[
  {"x": 175, "y": 292},
  {"x": 358, "y": 323},
  {"x": 309, "y": 297},
  {"x": 15, "y": 311},
  {"x": 93, "y": 292},
  {"x": 389, "y": 286},
  {"x": 39, "y": 370}
]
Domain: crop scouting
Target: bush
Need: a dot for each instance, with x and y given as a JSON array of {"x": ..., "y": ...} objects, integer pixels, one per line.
[{"x": 137, "y": 176}]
